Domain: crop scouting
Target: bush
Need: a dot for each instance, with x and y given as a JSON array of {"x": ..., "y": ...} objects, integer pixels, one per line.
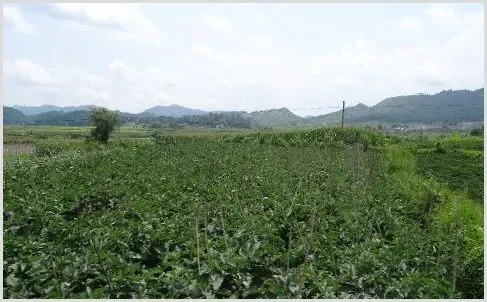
[
  {"x": 439, "y": 148},
  {"x": 48, "y": 148},
  {"x": 477, "y": 132},
  {"x": 104, "y": 121},
  {"x": 321, "y": 137},
  {"x": 76, "y": 135}
]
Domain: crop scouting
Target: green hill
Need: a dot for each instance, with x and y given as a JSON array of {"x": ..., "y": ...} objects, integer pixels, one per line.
[
  {"x": 59, "y": 118},
  {"x": 336, "y": 117},
  {"x": 281, "y": 117},
  {"x": 13, "y": 116},
  {"x": 451, "y": 106},
  {"x": 33, "y": 110},
  {"x": 444, "y": 107},
  {"x": 172, "y": 110}
]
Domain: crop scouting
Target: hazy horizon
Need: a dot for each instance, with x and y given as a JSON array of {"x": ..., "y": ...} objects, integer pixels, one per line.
[
  {"x": 249, "y": 57},
  {"x": 297, "y": 112}
]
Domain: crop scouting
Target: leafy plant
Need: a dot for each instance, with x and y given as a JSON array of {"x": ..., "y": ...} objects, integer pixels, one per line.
[
  {"x": 104, "y": 122},
  {"x": 305, "y": 214}
]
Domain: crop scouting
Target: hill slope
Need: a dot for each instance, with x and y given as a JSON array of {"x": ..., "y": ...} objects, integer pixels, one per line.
[
  {"x": 336, "y": 117},
  {"x": 281, "y": 117},
  {"x": 32, "y": 110},
  {"x": 12, "y": 116},
  {"x": 450, "y": 106},
  {"x": 172, "y": 110},
  {"x": 444, "y": 107}
]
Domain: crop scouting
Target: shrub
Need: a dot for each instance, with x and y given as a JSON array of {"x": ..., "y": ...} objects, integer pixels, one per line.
[
  {"x": 477, "y": 132},
  {"x": 439, "y": 148},
  {"x": 104, "y": 121},
  {"x": 76, "y": 135},
  {"x": 48, "y": 148}
]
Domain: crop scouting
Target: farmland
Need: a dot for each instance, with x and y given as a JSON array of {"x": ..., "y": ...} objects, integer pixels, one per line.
[{"x": 312, "y": 213}]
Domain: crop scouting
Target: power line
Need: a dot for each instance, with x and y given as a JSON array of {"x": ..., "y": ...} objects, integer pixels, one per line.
[{"x": 316, "y": 108}]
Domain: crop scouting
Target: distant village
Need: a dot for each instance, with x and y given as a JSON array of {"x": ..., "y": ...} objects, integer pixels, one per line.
[{"x": 436, "y": 127}]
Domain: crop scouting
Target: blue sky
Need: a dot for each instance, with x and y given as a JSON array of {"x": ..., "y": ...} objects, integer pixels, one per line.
[{"x": 237, "y": 56}]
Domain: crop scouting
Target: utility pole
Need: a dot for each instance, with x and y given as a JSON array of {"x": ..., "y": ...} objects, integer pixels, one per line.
[{"x": 343, "y": 112}]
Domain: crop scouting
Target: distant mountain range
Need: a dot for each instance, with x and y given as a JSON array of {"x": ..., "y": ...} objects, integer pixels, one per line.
[
  {"x": 172, "y": 110},
  {"x": 450, "y": 106},
  {"x": 282, "y": 117},
  {"x": 33, "y": 110}
]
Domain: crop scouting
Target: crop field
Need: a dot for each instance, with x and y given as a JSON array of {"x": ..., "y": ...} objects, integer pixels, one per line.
[
  {"x": 320, "y": 213},
  {"x": 456, "y": 161}
]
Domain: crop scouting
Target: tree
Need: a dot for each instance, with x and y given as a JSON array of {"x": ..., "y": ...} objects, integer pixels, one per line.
[
  {"x": 477, "y": 131},
  {"x": 104, "y": 121}
]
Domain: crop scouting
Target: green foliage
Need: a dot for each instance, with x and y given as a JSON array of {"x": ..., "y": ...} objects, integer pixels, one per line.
[
  {"x": 458, "y": 214},
  {"x": 477, "y": 132},
  {"x": 282, "y": 117},
  {"x": 446, "y": 213},
  {"x": 104, "y": 122},
  {"x": 449, "y": 107},
  {"x": 13, "y": 116},
  {"x": 316, "y": 137},
  {"x": 214, "y": 120},
  {"x": 307, "y": 214},
  {"x": 446, "y": 106},
  {"x": 456, "y": 161},
  {"x": 439, "y": 148}
]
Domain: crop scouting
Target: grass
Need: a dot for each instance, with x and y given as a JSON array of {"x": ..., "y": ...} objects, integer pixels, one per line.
[
  {"x": 448, "y": 213},
  {"x": 455, "y": 161},
  {"x": 305, "y": 214},
  {"x": 29, "y": 134}
]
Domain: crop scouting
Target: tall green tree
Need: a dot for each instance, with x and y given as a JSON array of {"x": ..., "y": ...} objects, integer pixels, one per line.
[{"x": 104, "y": 122}]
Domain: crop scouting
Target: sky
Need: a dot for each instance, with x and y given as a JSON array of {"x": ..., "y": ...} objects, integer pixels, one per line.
[{"x": 236, "y": 56}]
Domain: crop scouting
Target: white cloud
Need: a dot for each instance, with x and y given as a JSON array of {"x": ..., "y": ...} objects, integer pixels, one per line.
[
  {"x": 443, "y": 12},
  {"x": 118, "y": 68},
  {"x": 124, "y": 20},
  {"x": 259, "y": 42},
  {"x": 226, "y": 83},
  {"x": 358, "y": 71},
  {"x": 73, "y": 25},
  {"x": 12, "y": 16},
  {"x": 89, "y": 94},
  {"x": 208, "y": 52},
  {"x": 124, "y": 87},
  {"x": 221, "y": 24},
  {"x": 258, "y": 69},
  {"x": 27, "y": 72},
  {"x": 248, "y": 5},
  {"x": 147, "y": 87},
  {"x": 412, "y": 23},
  {"x": 161, "y": 77},
  {"x": 445, "y": 15},
  {"x": 57, "y": 86},
  {"x": 209, "y": 101},
  {"x": 149, "y": 75},
  {"x": 88, "y": 78}
]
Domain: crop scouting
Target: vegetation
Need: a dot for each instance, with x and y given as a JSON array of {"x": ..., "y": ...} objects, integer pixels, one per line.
[
  {"x": 276, "y": 118},
  {"x": 447, "y": 107},
  {"x": 12, "y": 116},
  {"x": 477, "y": 132},
  {"x": 172, "y": 111},
  {"x": 323, "y": 213},
  {"x": 455, "y": 161},
  {"x": 33, "y": 110},
  {"x": 104, "y": 122},
  {"x": 215, "y": 120}
]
